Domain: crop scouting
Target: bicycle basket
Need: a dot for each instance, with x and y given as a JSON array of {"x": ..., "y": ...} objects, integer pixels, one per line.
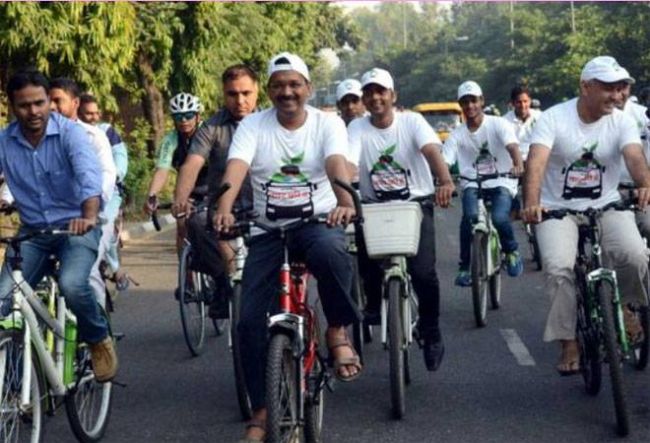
[{"x": 392, "y": 228}]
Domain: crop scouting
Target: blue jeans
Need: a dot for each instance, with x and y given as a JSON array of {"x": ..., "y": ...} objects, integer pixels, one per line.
[
  {"x": 76, "y": 255},
  {"x": 324, "y": 252},
  {"x": 501, "y": 205}
]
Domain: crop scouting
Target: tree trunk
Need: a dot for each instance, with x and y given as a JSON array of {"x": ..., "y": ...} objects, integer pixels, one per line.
[{"x": 152, "y": 103}]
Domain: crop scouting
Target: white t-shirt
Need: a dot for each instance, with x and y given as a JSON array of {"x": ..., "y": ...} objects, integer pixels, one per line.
[
  {"x": 638, "y": 113},
  {"x": 523, "y": 129},
  {"x": 390, "y": 161},
  {"x": 494, "y": 134},
  {"x": 287, "y": 167},
  {"x": 575, "y": 148},
  {"x": 105, "y": 156}
]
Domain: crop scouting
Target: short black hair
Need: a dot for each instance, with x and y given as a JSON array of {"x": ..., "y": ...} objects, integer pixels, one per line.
[
  {"x": 24, "y": 78},
  {"x": 518, "y": 90},
  {"x": 236, "y": 71},
  {"x": 68, "y": 85},
  {"x": 86, "y": 98}
]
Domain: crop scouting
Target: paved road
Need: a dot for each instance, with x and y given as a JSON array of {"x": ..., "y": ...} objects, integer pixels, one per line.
[{"x": 484, "y": 391}]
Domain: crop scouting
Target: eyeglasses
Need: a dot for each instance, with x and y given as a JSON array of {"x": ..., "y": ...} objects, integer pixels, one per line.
[{"x": 183, "y": 116}]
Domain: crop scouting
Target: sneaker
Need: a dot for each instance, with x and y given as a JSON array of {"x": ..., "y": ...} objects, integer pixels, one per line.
[
  {"x": 218, "y": 308},
  {"x": 121, "y": 281},
  {"x": 463, "y": 278},
  {"x": 514, "y": 265},
  {"x": 104, "y": 360}
]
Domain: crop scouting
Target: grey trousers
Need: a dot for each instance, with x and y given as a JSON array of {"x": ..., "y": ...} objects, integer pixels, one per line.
[{"x": 623, "y": 250}]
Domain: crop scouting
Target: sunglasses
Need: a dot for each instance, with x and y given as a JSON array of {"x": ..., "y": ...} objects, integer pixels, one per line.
[{"x": 183, "y": 116}]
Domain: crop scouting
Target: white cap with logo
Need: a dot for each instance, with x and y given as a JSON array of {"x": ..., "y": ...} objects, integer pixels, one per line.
[
  {"x": 286, "y": 61},
  {"x": 469, "y": 88},
  {"x": 605, "y": 69},
  {"x": 379, "y": 77},
  {"x": 348, "y": 86}
]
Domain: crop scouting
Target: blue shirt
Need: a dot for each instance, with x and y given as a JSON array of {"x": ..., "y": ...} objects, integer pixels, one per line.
[{"x": 50, "y": 182}]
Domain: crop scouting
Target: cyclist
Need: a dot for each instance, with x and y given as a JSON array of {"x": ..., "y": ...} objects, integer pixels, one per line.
[
  {"x": 211, "y": 143},
  {"x": 522, "y": 116},
  {"x": 409, "y": 149},
  {"x": 489, "y": 144},
  {"x": 185, "y": 110},
  {"x": 89, "y": 113},
  {"x": 348, "y": 100},
  {"x": 52, "y": 168},
  {"x": 64, "y": 99},
  {"x": 574, "y": 163},
  {"x": 298, "y": 145}
]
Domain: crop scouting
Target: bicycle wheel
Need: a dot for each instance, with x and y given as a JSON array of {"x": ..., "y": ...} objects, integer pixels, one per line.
[
  {"x": 314, "y": 404},
  {"x": 588, "y": 335},
  {"x": 18, "y": 424},
  {"x": 282, "y": 385},
  {"x": 357, "y": 297},
  {"x": 479, "y": 283},
  {"x": 396, "y": 348},
  {"x": 612, "y": 352},
  {"x": 88, "y": 403},
  {"x": 640, "y": 350},
  {"x": 192, "y": 307},
  {"x": 240, "y": 383}
]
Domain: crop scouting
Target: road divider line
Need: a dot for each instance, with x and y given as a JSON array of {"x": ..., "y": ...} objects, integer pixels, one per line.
[{"x": 517, "y": 347}]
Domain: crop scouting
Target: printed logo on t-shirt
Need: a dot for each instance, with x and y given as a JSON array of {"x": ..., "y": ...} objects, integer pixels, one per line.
[
  {"x": 388, "y": 178},
  {"x": 485, "y": 163},
  {"x": 584, "y": 177},
  {"x": 289, "y": 191}
]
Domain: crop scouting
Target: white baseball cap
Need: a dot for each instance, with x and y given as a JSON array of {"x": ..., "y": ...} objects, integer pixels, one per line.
[
  {"x": 379, "y": 77},
  {"x": 348, "y": 86},
  {"x": 605, "y": 69},
  {"x": 469, "y": 88},
  {"x": 286, "y": 61}
]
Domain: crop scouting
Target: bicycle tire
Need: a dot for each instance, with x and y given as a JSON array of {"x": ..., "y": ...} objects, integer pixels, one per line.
[
  {"x": 240, "y": 382},
  {"x": 479, "y": 286},
  {"x": 396, "y": 348},
  {"x": 314, "y": 404},
  {"x": 88, "y": 404},
  {"x": 641, "y": 350},
  {"x": 282, "y": 385},
  {"x": 357, "y": 297},
  {"x": 588, "y": 335},
  {"x": 191, "y": 305},
  {"x": 495, "y": 290},
  {"x": 16, "y": 423},
  {"x": 606, "y": 296}
]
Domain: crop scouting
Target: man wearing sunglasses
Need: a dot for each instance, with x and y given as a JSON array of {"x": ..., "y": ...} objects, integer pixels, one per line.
[{"x": 185, "y": 110}]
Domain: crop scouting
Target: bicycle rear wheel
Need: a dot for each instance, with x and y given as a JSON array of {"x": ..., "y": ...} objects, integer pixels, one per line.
[
  {"x": 479, "y": 280},
  {"x": 606, "y": 295},
  {"x": 282, "y": 392},
  {"x": 88, "y": 404},
  {"x": 240, "y": 382},
  {"x": 314, "y": 403},
  {"x": 396, "y": 348},
  {"x": 192, "y": 307},
  {"x": 18, "y": 424}
]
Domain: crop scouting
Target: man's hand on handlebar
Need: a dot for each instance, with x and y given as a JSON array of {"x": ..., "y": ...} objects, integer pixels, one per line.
[
  {"x": 80, "y": 226},
  {"x": 517, "y": 170},
  {"x": 532, "y": 214},
  {"x": 444, "y": 192},
  {"x": 223, "y": 221},
  {"x": 643, "y": 197},
  {"x": 182, "y": 209},
  {"x": 151, "y": 204},
  {"x": 341, "y": 215}
]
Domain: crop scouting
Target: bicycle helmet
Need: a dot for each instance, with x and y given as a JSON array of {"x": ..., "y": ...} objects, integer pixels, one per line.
[{"x": 184, "y": 102}]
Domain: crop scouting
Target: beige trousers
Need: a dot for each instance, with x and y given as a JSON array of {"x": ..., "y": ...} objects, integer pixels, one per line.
[{"x": 623, "y": 250}]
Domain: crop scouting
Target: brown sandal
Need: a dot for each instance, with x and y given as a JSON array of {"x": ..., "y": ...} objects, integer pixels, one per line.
[
  {"x": 345, "y": 361},
  {"x": 254, "y": 424}
]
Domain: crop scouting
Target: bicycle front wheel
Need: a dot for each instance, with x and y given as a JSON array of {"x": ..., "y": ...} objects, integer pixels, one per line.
[
  {"x": 588, "y": 334},
  {"x": 282, "y": 392},
  {"x": 88, "y": 402},
  {"x": 479, "y": 280},
  {"x": 357, "y": 297},
  {"x": 18, "y": 423},
  {"x": 240, "y": 382},
  {"x": 606, "y": 296},
  {"x": 192, "y": 307},
  {"x": 396, "y": 348}
]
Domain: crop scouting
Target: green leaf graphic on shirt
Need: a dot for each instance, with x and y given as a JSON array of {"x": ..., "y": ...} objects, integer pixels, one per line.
[
  {"x": 386, "y": 161},
  {"x": 290, "y": 171},
  {"x": 587, "y": 157}
]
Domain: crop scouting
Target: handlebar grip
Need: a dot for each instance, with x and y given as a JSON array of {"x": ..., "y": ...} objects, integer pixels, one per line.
[
  {"x": 355, "y": 197},
  {"x": 154, "y": 220}
]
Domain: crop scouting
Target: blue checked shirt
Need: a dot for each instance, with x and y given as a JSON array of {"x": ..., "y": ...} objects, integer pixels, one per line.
[{"x": 50, "y": 182}]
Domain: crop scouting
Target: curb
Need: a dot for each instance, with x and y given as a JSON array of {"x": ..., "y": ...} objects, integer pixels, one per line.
[{"x": 143, "y": 229}]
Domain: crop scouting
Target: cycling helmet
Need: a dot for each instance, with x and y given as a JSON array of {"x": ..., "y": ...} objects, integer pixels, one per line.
[{"x": 184, "y": 102}]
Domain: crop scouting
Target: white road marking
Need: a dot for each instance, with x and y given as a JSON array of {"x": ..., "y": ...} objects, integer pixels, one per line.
[{"x": 517, "y": 347}]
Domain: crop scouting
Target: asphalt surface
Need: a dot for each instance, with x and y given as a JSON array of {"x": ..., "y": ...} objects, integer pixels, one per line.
[{"x": 496, "y": 384}]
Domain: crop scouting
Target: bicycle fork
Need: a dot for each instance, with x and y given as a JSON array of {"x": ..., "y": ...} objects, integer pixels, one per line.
[
  {"x": 397, "y": 270},
  {"x": 609, "y": 276}
]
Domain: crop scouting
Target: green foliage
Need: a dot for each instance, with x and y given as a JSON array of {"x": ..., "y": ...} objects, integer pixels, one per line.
[{"x": 141, "y": 167}]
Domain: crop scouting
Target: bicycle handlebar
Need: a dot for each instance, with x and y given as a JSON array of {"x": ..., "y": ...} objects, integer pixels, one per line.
[
  {"x": 16, "y": 239},
  {"x": 154, "y": 214},
  {"x": 621, "y": 205},
  {"x": 485, "y": 177}
]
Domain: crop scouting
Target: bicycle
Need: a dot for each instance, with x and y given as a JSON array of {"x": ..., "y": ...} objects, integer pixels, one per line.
[
  {"x": 534, "y": 247},
  {"x": 600, "y": 329},
  {"x": 43, "y": 365},
  {"x": 486, "y": 254},
  {"x": 296, "y": 372},
  {"x": 392, "y": 233}
]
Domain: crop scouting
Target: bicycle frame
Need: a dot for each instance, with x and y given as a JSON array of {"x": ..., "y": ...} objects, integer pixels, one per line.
[
  {"x": 484, "y": 225},
  {"x": 396, "y": 268},
  {"x": 241, "y": 252}
]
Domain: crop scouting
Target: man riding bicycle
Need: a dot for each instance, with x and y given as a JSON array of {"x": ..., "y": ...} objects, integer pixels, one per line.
[
  {"x": 575, "y": 163},
  {"x": 486, "y": 144},
  {"x": 522, "y": 117},
  {"x": 55, "y": 176},
  {"x": 298, "y": 148},
  {"x": 395, "y": 153}
]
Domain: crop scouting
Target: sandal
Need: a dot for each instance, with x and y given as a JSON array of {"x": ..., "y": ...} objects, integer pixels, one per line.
[
  {"x": 569, "y": 365},
  {"x": 341, "y": 362},
  {"x": 633, "y": 328},
  {"x": 254, "y": 424}
]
